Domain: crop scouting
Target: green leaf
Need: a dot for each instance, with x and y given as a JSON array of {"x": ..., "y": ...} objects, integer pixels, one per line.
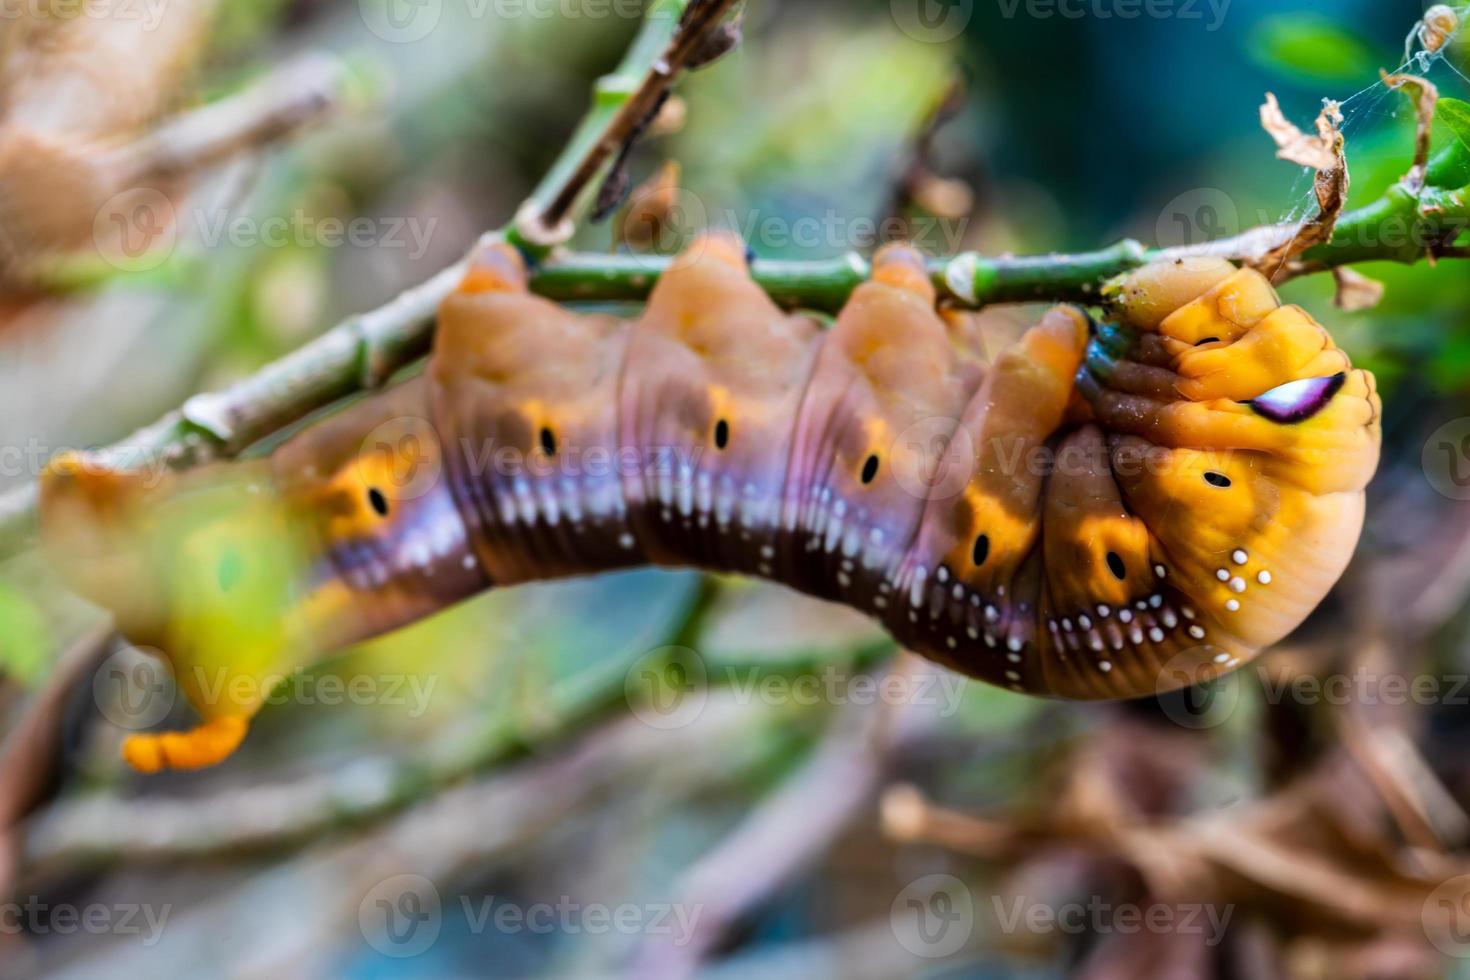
[
  {"x": 1456, "y": 117},
  {"x": 1310, "y": 47}
]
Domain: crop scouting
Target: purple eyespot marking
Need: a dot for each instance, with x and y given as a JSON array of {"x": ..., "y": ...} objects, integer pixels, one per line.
[{"x": 1298, "y": 401}]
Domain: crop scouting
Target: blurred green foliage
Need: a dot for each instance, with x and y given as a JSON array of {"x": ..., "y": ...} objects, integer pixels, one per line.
[
  {"x": 1311, "y": 47},
  {"x": 26, "y": 642}
]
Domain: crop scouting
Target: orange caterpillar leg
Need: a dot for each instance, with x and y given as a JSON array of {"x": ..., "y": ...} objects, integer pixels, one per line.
[{"x": 211, "y": 743}]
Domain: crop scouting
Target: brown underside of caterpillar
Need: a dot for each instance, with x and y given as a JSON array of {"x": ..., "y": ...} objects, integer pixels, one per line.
[{"x": 1100, "y": 511}]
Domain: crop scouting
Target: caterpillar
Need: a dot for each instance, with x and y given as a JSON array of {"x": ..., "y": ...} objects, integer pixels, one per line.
[{"x": 1179, "y": 483}]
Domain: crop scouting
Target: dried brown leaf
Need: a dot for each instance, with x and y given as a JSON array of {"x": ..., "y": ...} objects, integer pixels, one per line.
[
  {"x": 1326, "y": 152},
  {"x": 718, "y": 43},
  {"x": 1320, "y": 152},
  {"x": 1355, "y": 291},
  {"x": 1425, "y": 100}
]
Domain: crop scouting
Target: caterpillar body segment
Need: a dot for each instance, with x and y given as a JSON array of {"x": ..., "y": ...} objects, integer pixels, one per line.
[
  {"x": 712, "y": 382},
  {"x": 885, "y": 396}
]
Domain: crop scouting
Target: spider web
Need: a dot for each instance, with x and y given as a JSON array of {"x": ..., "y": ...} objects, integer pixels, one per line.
[{"x": 1378, "y": 120}]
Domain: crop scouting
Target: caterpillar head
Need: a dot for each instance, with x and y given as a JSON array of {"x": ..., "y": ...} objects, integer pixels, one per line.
[
  {"x": 1241, "y": 438},
  {"x": 1153, "y": 499}
]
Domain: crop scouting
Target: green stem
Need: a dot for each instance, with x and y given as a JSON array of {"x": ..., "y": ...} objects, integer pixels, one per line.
[
  {"x": 815, "y": 285},
  {"x": 1402, "y": 226},
  {"x": 825, "y": 284},
  {"x": 974, "y": 280}
]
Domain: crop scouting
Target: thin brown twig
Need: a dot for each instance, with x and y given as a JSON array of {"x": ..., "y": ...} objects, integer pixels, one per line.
[
  {"x": 1403, "y": 807},
  {"x": 51, "y": 210},
  {"x": 476, "y": 824},
  {"x": 285, "y": 101},
  {"x": 274, "y": 816},
  {"x": 28, "y": 753},
  {"x": 701, "y": 19},
  {"x": 786, "y": 833}
]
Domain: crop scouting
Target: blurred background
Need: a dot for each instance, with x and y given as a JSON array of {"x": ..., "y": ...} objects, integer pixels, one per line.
[{"x": 664, "y": 774}]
